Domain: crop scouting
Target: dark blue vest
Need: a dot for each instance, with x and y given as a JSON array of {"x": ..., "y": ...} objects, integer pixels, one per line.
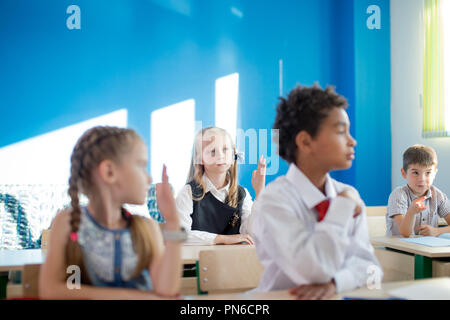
[{"x": 211, "y": 215}]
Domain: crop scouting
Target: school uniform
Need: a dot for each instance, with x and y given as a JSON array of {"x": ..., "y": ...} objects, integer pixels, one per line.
[
  {"x": 401, "y": 199},
  {"x": 206, "y": 218},
  {"x": 295, "y": 249}
]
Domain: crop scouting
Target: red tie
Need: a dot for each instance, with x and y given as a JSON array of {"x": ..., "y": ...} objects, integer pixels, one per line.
[{"x": 322, "y": 209}]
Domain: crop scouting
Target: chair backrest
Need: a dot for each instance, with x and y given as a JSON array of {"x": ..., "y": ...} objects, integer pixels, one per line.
[
  {"x": 376, "y": 211},
  {"x": 30, "y": 280},
  {"x": 376, "y": 220},
  {"x": 236, "y": 269},
  {"x": 45, "y": 238}
]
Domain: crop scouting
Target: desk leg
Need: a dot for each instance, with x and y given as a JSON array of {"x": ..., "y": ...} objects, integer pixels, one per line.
[
  {"x": 422, "y": 267},
  {"x": 3, "y": 284},
  {"x": 198, "y": 279}
]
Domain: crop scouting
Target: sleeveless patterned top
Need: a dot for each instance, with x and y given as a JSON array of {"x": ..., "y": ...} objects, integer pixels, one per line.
[{"x": 109, "y": 256}]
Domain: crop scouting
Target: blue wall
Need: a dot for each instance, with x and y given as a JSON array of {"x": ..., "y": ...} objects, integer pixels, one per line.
[
  {"x": 373, "y": 101},
  {"x": 143, "y": 55}
]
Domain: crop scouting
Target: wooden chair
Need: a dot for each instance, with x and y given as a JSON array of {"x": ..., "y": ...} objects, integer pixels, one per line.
[
  {"x": 376, "y": 220},
  {"x": 30, "y": 280},
  {"x": 45, "y": 238},
  {"x": 29, "y": 287},
  {"x": 233, "y": 270},
  {"x": 397, "y": 266}
]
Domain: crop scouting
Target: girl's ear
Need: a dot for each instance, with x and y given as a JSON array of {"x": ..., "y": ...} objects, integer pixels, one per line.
[{"x": 107, "y": 171}]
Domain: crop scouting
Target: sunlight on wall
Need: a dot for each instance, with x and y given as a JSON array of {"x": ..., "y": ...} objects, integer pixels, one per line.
[
  {"x": 227, "y": 92},
  {"x": 172, "y": 137},
  {"x": 45, "y": 159}
]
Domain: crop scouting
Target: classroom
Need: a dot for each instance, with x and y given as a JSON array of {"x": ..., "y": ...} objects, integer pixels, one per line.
[{"x": 168, "y": 70}]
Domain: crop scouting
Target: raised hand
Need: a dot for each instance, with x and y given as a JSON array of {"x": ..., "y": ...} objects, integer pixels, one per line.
[
  {"x": 166, "y": 201},
  {"x": 418, "y": 205},
  {"x": 259, "y": 176}
]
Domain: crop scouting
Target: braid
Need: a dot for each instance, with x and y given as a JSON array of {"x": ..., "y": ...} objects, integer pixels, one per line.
[
  {"x": 75, "y": 203},
  {"x": 73, "y": 252}
]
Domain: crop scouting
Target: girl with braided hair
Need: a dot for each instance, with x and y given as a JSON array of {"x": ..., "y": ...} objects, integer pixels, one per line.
[
  {"x": 213, "y": 207},
  {"x": 114, "y": 251}
]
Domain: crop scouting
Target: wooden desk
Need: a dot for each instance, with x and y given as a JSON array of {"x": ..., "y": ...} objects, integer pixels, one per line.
[
  {"x": 190, "y": 254},
  {"x": 248, "y": 295},
  {"x": 360, "y": 293},
  {"x": 16, "y": 259},
  {"x": 423, "y": 255},
  {"x": 11, "y": 260}
]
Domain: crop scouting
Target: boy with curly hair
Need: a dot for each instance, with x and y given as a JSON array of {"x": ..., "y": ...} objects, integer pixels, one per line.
[{"x": 310, "y": 230}]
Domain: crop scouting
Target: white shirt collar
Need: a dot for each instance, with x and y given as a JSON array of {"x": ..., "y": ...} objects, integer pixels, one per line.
[
  {"x": 307, "y": 191},
  {"x": 211, "y": 187}
]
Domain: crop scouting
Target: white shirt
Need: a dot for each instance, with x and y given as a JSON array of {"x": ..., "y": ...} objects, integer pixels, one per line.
[
  {"x": 296, "y": 249},
  {"x": 185, "y": 209}
]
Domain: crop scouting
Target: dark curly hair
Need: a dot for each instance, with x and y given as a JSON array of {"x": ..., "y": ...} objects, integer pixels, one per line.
[{"x": 304, "y": 109}]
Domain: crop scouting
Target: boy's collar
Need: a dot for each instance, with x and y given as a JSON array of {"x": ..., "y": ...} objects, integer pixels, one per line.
[
  {"x": 310, "y": 194},
  {"x": 428, "y": 195}
]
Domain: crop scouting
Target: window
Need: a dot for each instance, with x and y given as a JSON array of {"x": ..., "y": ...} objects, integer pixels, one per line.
[{"x": 436, "y": 99}]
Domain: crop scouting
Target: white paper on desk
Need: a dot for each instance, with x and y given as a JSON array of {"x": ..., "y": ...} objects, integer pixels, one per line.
[
  {"x": 438, "y": 289},
  {"x": 429, "y": 241}
]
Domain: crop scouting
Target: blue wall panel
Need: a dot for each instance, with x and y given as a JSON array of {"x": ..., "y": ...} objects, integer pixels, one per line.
[
  {"x": 373, "y": 100},
  {"x": 146, "y": 54}
]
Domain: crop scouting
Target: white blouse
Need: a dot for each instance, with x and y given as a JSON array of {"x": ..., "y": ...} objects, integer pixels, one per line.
[
  {"x": 296, "y": 249},
  {"x": 185, "y": 209}
]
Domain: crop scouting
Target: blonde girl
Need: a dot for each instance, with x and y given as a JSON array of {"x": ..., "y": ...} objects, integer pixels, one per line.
[
  {"x": 213, "y": 207},
  {"x": 112, "y": 252}
]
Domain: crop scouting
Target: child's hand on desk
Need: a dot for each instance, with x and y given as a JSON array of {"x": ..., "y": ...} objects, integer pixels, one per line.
[
  {"x": 426, "y": 230},
  {"x": 233, "y": 239},
  {"x": 166, "y": 201},
  {"x": 352, "y": 195},
  {"x": 314, "y": 291}
]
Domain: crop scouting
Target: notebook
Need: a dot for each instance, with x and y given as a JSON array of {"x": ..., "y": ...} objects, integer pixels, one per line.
[
  {"x": 429, "y": 241},
  {"x": 445, "y": 236},
  {"x": 434, "y": 290}
]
